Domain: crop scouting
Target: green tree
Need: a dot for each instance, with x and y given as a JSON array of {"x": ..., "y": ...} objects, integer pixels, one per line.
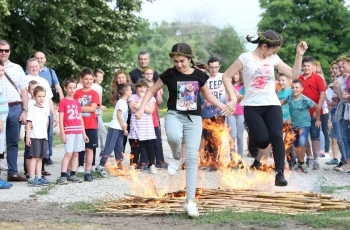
[{"x": 323, "y": 24}]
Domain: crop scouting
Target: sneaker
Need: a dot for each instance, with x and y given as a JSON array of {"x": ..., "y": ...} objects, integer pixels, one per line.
[
  {"x": 80, "y": 169},
  {"x": 341, "y": 164},
  {"x": 75, "y": 179},
  {"x": 334, "y": 161},
  {"x": 5, "y": 184},
  {"x": 44, "y": 181},
  {"x": 240, "y": 165},
  {"x": 34, "y": 182},
  {"x": 280, "y": 180},
  {"x": 142, "y": 166},
  {"x": 303, "y": 167},
  {"x": 321, "y": 155},
  {"x": 120, "y": 165},
  {"x": 153, "y": 169},
  {"x": 252, "y": 149},
  {"x": 3, "y": 167},
  {"x": 48, "y": 162},
  {"x": 315, "y": 166},
  {"x": 62, "y": 180},
  {"x": 173, "y": 166},
  {"x": 191, "y": 209},
  {"x": 309, "y": 162},
  {"x": 256, "y": 165},
  {"x": 88, "y": 177},
  {"x": 102, "y": 171},
  {"x": 162, "y": 165}
]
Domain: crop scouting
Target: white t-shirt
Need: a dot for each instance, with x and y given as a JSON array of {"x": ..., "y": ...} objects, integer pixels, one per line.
[
  {"x": 39, "y": 118},
  {"x": 45, "y": 84},
  {"x": 259, "y": 80},
  {"x": 123, "y": 106}
]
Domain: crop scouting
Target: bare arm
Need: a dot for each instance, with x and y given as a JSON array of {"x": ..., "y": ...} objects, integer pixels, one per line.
[
  {"x": 321, "y": 100},
  {"x": 112, "y": 100},
  {"x": 89, "y": 109},
  {"x": 227, "y": 79},
  {"x": 149, "y": 94},
  {"x": 121, "y": 120},
  {"x": 59, "y": 91},
  {"x": 24, "y": 94},
  {"x": 211, "y": 98},
  {"x": 131, "y": 106},
  {"x": 159, "y": 96},
  {"x": 150, "y": 108}
]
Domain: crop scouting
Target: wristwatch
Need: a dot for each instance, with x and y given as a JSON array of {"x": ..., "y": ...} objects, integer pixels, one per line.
[{"x": 24, "y": 110}]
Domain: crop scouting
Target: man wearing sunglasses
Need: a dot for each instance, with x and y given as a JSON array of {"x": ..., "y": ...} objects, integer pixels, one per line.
[{"x": 14, "y": 86}]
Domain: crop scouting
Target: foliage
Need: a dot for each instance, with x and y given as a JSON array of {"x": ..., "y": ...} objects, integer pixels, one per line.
[
  {"x": 323, "y": 24},
  {"x": 72, "y": 33}
]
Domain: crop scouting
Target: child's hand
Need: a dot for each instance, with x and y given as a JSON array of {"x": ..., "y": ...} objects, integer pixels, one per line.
[
  {"x": 63, "y": 138},
  {"x": 318, "y": 123},
  {"x": 139, "y": 114},
  {"x": 28, "y": 142},
  {"x": 103, "y": 108},
  {"x": 126, "y": 132},
  {"x": 137, "y": 105},
  {"x": 86, "y": 139},
  {"x": 55, "y": 121}
]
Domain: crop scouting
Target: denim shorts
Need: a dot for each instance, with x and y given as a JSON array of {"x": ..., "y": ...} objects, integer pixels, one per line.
[{"x": 302, "y": 135}]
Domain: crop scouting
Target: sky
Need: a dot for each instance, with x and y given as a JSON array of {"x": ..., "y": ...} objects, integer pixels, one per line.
[{"x": 243, "y": 15}]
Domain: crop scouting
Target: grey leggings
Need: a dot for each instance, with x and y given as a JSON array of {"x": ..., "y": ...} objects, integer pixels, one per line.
[
  {"x": 179, "y": 128},
  {"x": 235, "y": 122}
]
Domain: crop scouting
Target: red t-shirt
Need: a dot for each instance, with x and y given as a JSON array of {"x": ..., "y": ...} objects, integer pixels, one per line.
[
  {"x": 313, "y": 86},
  {"x": 155, "y": 116},
  {"x": 71, "y": 110},
  {"x": 86, "y": 99}
]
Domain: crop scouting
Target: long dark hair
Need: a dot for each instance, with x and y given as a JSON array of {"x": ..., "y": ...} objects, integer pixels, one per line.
[{"x": 270, "y": 38}]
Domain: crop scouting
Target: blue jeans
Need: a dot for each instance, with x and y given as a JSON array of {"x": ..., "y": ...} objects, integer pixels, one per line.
[
  {"x": 12, "y": 136},
  {"x": 314, "y": 131},
  {"x": 179, "y": 128},
  {"x": 50, "y": 135},
  {"x": 337, "y": 131},
  {"x": 302, "y": 135},
  {"x": 114, "y": 142},
  {"x": 346, "y": 137}
]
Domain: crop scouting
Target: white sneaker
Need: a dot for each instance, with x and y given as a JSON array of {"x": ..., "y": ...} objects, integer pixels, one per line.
[
  {"x": 80, "y": 169},
  {"x": 3, "y": 167},
  {"x": 153, "y": 169},
  {"x": 173, "y": 166},
  {"x": 191, "y": 209}
]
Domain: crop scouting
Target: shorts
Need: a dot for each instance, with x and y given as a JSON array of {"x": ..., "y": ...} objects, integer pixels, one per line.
[
  {"x": 93, "y": 138},
  {"x": 301, "y": 138},
  {"x": 74, "y": 143},
  {"x": 38, "y": 148}
]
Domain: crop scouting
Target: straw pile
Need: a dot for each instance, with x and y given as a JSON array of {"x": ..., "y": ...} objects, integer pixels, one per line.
[{"x": 291, "y": 203}]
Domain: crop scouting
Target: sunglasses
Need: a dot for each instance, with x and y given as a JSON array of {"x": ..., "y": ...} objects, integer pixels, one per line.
[{"x": 4, "y": 51}]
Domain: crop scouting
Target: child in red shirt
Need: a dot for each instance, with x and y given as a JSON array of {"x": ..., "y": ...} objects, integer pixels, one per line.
[{"x": 89, "y": 100}]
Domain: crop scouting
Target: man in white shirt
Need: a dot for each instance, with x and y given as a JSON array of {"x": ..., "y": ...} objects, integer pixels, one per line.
[{"x": 17, "y": 98}]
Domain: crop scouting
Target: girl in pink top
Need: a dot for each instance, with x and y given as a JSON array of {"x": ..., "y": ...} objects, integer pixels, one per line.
[{"x": 235, "y": 121}]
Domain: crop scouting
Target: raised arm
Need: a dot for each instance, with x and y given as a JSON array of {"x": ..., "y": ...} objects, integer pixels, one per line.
[{"x": 294, "y": 72}]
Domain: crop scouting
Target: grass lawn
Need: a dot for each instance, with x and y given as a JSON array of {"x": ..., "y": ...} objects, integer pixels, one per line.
[
  {"x": 56, "y": 141},
  {"x": 108, "y": 113}
]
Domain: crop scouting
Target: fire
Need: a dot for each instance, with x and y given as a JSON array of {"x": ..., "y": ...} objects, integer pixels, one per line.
[{"x": 289, "y": 138}]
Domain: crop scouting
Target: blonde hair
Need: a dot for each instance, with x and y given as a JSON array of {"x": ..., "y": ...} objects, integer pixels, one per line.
[{"x": 114, "y": 82}]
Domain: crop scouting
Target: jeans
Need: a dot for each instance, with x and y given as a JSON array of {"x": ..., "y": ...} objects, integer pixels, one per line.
[
  {"x": 102, "y": 132},
  {"x": 301, "y": 137},
  {"x": 50, "y": 135},
  {"x": 314, "y": 131},
  {"x": 324, "y": 127},
  {"x": 346, "y": 137},
  {"x": 322, "y": 141},
  {"x": 235, "y": 122},
  {"x": 179, "y": 128},
  {"x": 114, "y": 142},
  {"x": 337, "y": 130},
  {"x": 12, "y": 136},
  {"x": 265, "y": 125}
]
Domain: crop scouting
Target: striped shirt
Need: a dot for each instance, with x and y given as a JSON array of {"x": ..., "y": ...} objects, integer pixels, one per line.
[
  {"x": 142, "y": 129},
  {"x": 4, "y": 108},
  {"x": 16, "y": 73}
]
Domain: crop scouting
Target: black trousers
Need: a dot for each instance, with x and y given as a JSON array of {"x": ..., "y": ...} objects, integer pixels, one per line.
[{"x": 265, "y": 126}]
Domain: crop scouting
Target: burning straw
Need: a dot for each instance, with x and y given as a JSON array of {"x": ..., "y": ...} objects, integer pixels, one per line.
[{"x": 216, "y": 200}]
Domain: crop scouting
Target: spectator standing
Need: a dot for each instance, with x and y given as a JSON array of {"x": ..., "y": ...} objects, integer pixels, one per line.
[{"x": 143, "y": 59}]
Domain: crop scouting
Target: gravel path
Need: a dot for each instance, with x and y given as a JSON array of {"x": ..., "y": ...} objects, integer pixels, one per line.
[{"x": 144, "y": 183}]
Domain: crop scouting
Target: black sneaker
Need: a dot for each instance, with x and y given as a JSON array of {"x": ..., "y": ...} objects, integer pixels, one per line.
[
  {"x": 88, "y": 177},
  {"x": 256, "y": 165},
  {"x": 48, "y": 161},
  {"x": 280, "y": 180},
  {"x": 339, "y": 166},
  {"x": 252, "y": 149}
]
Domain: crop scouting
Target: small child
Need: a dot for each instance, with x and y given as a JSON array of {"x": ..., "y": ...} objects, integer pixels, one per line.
[
  {"x": 36, "y": 136},
  {"x": 117, "y": 130},
  {"x": 299, "y": 112},
  {"x": 89, "y": 101},
  {"x": 142, "y": 131},
  {"x": 72, "y": 132}
]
